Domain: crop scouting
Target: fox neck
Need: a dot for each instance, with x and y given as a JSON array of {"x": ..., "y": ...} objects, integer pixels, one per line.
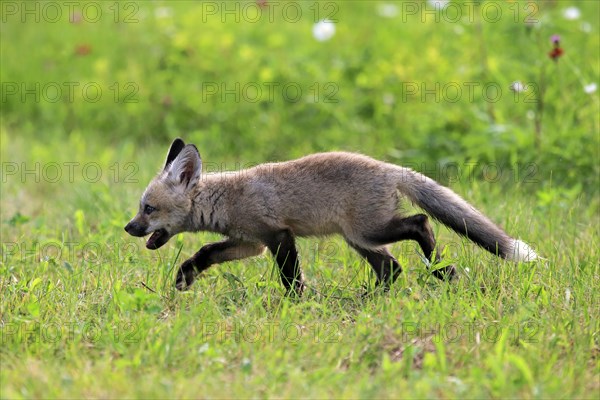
[{"x": 209, "y": 211}]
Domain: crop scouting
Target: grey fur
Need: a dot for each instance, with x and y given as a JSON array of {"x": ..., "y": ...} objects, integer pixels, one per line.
[
  {"x": 333, "y": 193},
  {"x": 321, "y": 194}
]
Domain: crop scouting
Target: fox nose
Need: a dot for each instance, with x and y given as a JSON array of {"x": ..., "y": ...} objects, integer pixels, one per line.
[{"x": 135, "y": 229}]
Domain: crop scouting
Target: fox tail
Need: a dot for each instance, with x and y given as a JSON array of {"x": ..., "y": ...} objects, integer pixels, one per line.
[{"x": 453, "y": 211}]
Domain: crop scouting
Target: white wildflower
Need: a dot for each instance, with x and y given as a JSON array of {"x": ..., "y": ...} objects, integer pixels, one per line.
[
  {"x": 163, "y": 12},
  {"x": 387, "y": 10},
  {"x": 571, "y": 13},
  {"x": 324, "y": 30},
  {"x": 590, "y": 88},
  {"x": 518, "y": 86},
  {"x": 439, "y": 4}
]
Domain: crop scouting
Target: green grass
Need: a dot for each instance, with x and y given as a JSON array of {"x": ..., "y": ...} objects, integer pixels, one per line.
[{"x": 87, "y": 311}]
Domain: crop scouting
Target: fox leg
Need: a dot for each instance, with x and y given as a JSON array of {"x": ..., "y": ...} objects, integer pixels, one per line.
[
  {"x": 416, "y": 228},
  {"x": 214, "y": 253},
  {"x": 283, "y": 247},
  {"x": 386, "y": 267}
]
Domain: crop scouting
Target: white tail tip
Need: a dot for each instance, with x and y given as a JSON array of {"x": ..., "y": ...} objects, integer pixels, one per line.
[{"x": 521, "y": 251}]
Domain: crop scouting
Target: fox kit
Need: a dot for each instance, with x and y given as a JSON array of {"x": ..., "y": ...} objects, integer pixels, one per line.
[{"x": 267, "y": 206}]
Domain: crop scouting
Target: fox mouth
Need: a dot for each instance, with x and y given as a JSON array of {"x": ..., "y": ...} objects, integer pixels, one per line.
[{"x": 157, "y": 239}]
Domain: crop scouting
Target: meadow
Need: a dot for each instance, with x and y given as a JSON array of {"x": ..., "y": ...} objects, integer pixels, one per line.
[{"x": 496, "y": 99}]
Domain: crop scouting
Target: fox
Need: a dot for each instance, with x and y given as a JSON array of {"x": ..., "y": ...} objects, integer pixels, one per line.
[{"x": 269, "y": 205}]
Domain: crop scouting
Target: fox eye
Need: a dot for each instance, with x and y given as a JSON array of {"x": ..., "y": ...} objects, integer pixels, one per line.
[{"x": 149, "y": 210}]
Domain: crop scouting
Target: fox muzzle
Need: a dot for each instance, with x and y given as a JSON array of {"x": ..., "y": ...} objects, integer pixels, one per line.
[{"x": 135, "y": 229}]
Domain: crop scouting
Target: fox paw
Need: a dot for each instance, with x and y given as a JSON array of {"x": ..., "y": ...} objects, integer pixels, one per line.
[
  {"x": 448, "y": 273},
  {"x": 295, "y": 291},
  {"x": 185, "y": 276}
]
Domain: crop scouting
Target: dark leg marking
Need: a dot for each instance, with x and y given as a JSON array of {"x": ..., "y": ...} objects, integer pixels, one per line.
[
  {"x": 283, "y": 247},
  {"x": 386, "y": 267},
  {"x": 415, "y": 228},
  {"x": 213, "y": 253}
]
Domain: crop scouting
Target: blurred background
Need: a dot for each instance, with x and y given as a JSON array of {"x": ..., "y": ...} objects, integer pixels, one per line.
[{"x": 446, "y": 87}]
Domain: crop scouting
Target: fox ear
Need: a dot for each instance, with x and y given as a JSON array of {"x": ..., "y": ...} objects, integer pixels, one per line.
[
  {"x": 187, "y": 166},
  {"x": 174, "y": 151}
]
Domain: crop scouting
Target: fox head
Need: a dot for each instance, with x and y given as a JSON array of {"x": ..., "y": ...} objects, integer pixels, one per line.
[{"x": 166, "y": 204}]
